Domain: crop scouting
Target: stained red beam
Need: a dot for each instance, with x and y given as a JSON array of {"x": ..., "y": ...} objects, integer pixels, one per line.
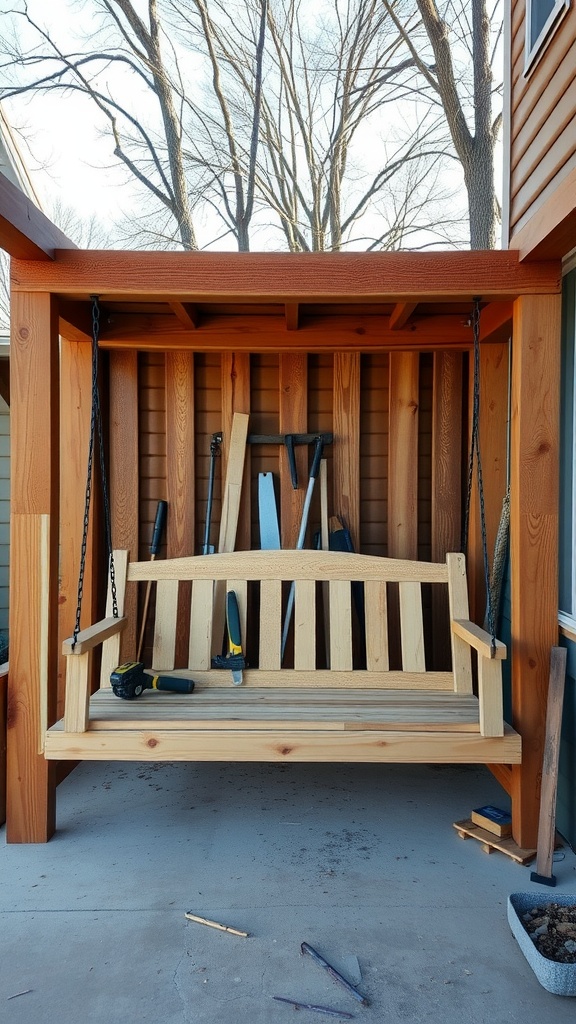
[
  {"x": 292, "y": 316},
  {"x": 267, "y": 278}
]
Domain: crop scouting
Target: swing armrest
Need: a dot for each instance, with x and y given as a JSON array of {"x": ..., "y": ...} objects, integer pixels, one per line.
[
  {"x": 479, "y": 638},
  {"x": 89, "y": 638}
]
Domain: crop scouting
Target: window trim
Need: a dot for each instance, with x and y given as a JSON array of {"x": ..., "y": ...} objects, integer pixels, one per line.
[{"x": 534, "y": 50}]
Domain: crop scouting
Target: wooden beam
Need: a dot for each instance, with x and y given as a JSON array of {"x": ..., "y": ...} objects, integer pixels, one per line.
[
  {"x": 292, "y": 316},
  {"x": 401, "y": 314},
  {"x": 534, "y": 540},
  {"x": 75, "y": 409},
  {"x": 25, "y": 232},
  {"x": 186, "y": 313},
  {"x": 34, "y": 535},
  {"x": 268, "y": 333},
  {"x": 290, "y": 277},
  {"x": 124, "y": 477},
  {"x": 293, "y": 419},
  {"x": 180, "y": 479},
  {"x": 496, "y": 322},
  {"x": 347, "y": 442}
]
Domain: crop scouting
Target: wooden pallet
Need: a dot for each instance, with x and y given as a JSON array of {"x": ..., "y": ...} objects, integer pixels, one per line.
[{"x": 466, "y": 829}]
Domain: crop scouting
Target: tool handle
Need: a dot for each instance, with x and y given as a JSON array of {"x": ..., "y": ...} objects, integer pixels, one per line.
[
  {"x": 159, "y": 524},
  {"x": 233, "y": 623},
  {"x": 172, "y": 683},
  {"x": 317, "y": 457}
]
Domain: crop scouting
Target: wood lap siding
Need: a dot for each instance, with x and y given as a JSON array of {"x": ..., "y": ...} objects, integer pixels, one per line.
[{"x": 543, "y": 118}]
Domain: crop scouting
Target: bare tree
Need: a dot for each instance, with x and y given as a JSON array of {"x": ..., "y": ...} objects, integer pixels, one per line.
[
  {"x": 463, "y": 39},
  {"x": 264, "y": 122}
]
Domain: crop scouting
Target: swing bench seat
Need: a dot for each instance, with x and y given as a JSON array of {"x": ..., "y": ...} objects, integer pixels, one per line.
[{"x": 353, "y": 687}]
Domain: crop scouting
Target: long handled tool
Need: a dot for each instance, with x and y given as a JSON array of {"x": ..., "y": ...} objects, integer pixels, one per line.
[
  {"x": 207, "y": 547},
  {"x": 157, "y": 532},
  {"x": 302, "y": 534}
]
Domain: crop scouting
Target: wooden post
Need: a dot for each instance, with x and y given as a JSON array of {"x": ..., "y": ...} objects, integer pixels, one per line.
[
  {"x": 75, "y": 405},
  {"x": 534, "y": 540},
  {"x": 403, "y": 455},
  {"x": 347, "y": 441},
  {"x": 180, "y": 473},
  {"x": 404, "y": 399},
  {"x": 34, "y": 414}
]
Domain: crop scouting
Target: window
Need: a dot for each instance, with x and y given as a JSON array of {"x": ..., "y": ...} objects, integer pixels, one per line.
[
  {"x": 567, "y": 561},
  {"x": 541, "y": 17}
]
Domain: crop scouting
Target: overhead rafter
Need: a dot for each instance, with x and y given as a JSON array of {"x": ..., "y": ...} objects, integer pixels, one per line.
[
  {"x": 292, "y": 315},
  {"x": 401, "y": 314},
  {"x": 186, "y": 313},
  {"x": 25, "y": 232}
]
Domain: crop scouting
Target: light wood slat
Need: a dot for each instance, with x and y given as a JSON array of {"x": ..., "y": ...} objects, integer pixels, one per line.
[
  {"x": 490, "y": 697},
  {"x": 290, "y": 565},
  {"x": 94, "y": 635},
  {"x": 412, "y": 627},
  {"x": 235, "y": 399},
  {"x": 284, "y": 745},
  {"x": 376, "y": 613},
  {"x": 111, "y": 648},
  {"x": 200, "y": 647},
  {"x": 77, "y": 693},
  {"x": 340, "y": 626},
  {"x": 359, "y": 678},
  {"x": 479, "y": 638},
  {"x": 235, "y": 452},
  {"x": 270, "y": 624},
  {"x": 165, "y": 624},
  {"x": 458, "y": 608},
  {"x": 305, "y": 625}
]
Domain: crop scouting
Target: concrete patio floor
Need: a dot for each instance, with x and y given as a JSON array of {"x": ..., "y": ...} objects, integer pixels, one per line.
[{"x": 360, "y": 861}]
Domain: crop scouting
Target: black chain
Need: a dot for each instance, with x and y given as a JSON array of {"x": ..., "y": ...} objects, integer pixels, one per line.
[
  {"x": 475, "y": 448},
  {"x": 95, "y": 428}
]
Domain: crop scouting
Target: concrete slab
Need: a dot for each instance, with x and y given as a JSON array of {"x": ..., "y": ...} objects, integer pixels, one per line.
[{"x": 360, "y": 861}]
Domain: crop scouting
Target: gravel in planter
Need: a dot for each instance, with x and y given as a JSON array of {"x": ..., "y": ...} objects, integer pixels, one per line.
[{"x": 546, "y": 933}]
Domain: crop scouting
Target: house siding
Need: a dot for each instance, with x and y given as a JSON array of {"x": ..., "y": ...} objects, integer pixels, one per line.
[{"x": 543, "y": 119}]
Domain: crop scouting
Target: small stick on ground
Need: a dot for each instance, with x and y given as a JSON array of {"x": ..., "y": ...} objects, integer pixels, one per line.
[
  {"x": 214, "y": 924},
  {"x": 319, "y": 1009},
  {"x": 17, "y": 994}
]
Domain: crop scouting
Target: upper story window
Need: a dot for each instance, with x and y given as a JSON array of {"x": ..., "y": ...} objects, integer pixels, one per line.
[{"x": 541, "y": 17}]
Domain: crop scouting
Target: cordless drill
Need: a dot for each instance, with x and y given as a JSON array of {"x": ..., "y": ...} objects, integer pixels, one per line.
[{"x": 130, "y": 680}]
